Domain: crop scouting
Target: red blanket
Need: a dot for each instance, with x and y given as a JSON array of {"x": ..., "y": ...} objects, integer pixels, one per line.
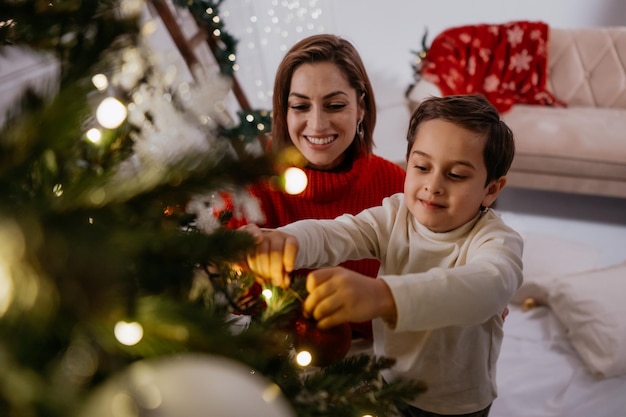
[{"x": 507, "y": 63}]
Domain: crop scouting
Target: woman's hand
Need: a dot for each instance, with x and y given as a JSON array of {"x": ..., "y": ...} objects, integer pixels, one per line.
[
  {"x": 338, "y": 295},
  {"x": 274, "y": 255}
]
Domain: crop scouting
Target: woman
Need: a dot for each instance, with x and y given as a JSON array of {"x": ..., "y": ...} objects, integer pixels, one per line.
[{"x": 324, "y": 105}]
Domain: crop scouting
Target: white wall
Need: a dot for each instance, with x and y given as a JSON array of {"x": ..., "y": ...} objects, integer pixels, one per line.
[{"x": 385, "y": 33}]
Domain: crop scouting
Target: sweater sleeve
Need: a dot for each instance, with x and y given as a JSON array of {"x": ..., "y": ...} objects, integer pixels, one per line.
[
  {"x": 485, "y": 275},
  {"x": 347, "y": 237}
]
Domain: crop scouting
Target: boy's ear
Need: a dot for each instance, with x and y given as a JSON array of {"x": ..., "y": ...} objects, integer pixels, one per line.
[{"x": 493, "y": 190}]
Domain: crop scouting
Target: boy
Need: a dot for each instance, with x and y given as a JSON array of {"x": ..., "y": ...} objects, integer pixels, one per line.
[{"x": 449, "y": 265}]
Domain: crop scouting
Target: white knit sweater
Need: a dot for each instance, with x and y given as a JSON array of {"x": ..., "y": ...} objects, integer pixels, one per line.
[{"x": 449, "y": 288}]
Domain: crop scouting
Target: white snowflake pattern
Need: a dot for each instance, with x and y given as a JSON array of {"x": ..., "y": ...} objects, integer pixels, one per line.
[
  {"x": 471, "y": 65},
  {"x": 536, "y": 35},
  {"x": 484, "y": 54},
  {"x": 465, "y": 37},
  {"x": 515, "y": 36},
  {"x": 491, "y": 83},
  {"x": 520, "y": 62}
]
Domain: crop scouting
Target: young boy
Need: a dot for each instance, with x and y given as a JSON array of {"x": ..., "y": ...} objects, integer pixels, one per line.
[{"x": 449, "y": 265}]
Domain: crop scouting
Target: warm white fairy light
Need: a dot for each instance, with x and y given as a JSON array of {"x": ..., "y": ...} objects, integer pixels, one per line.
[
  {"x": 304, "y": 358},
  {"x": 268, "y": 34},
  {"x": 295, "y": 180},
  {"x": 111, "y": 113},
  {"x": 267, "y": 294},
  {"x": 57, "y": 190},
  {"x": 128, "y": 333},
  {"x": 131, "y": 8},
  {"x": 6, "y": 287},
  {"x": 100, "y": 81},
  {"x": 94, "y": 135}
]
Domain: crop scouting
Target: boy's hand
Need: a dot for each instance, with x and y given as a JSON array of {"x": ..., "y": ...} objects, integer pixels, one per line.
[
  {"x": 274, "y": 256},
  {"x": 338, "y": 295}
]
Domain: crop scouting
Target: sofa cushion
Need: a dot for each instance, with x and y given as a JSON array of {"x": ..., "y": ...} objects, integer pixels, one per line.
[
  {"x": 587, "y": 66},
  {"x": 579, "y": 141}
]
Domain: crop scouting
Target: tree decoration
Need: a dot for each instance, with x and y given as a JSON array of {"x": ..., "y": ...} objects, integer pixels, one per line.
[
  {"x": 417, "y": 63},
  {"x": 102, "y": 265},
  {"x": 222, "y": 43},
  {"x": 325, "y": 346}
]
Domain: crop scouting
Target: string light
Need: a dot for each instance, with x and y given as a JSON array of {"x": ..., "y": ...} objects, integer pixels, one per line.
[
  {"x": 267, "y": 293},
  {"x": 295, "y": 180},
  {"x": 100, "y": 81},
  {"x": 94, "y": 135},
  {"x": 304, "y": 358},
  {"x": 6, "y": 288},
  {"x": 58, "y": 190},
  {"x": 111, "y": 113},
  {"x": 268, "y": 35},
  {"x": 128, "y": 334}
]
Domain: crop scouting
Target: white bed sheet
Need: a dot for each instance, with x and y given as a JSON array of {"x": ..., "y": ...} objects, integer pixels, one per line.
[{"x": 541, "y": 375}]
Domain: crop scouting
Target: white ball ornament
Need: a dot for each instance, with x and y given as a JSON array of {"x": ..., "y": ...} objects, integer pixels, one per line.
[{"x": 192, "y": 385}]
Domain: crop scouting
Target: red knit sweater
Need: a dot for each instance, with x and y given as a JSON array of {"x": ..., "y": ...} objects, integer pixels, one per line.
[{"x": 331, "y": 194}]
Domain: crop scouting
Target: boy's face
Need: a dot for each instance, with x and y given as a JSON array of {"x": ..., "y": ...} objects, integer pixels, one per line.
[{"x": 446, "y": 173}]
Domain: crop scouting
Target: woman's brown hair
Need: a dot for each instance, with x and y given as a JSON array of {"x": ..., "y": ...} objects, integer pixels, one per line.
[{"x": 324, "y": 48}]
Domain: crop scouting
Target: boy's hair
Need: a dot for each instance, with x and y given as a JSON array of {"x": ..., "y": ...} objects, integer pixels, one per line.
[
  {"x": 472, "y": 112},
  {"x": 338, "y": 51}
]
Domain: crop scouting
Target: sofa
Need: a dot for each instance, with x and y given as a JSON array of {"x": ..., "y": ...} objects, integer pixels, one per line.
[{"x": 579, "y": 146}]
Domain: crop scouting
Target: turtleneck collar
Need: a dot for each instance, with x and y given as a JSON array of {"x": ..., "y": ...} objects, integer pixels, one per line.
[{"x": 328, "y": 186}]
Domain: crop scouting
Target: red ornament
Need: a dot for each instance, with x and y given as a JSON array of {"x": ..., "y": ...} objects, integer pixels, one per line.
[
  {"x": 251, "y": 303},
  {"x": 326, "y": 346}
]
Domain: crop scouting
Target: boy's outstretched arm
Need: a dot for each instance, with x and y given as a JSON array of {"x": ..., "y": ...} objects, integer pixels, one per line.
[
  {"x": 274, "y": 255},
  {"x": 338, "y": 295}
]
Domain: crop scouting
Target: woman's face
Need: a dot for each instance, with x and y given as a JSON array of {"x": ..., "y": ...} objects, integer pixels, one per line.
[{"x": 322, "y": 113}]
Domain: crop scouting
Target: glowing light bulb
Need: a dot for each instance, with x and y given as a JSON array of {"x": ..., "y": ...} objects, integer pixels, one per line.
[
  {"x": 295, "y": 180},
  {"x": 128, "y": 334},
  {"x": 94, "y": 135},
  {"x": 6, "y": 288},
  {"x": 58, "y": 190},
  {"x": 267, "y": 293},
  {"x": 304, "y": 358},
  {"x": 111, "y": 113},
  {"x": 100, "y": 81}
]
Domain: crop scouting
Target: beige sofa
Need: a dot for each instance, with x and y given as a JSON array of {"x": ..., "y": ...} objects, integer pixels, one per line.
[{"x": 580, "y": 148}]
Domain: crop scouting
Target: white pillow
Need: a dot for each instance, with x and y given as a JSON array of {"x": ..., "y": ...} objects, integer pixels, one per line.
[
  {"x": 547, "y": 257},
  {"x": 591, "y": 306}
]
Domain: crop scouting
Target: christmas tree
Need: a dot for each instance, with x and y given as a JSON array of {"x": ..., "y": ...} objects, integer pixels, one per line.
[{"x": 116, "y": 263}]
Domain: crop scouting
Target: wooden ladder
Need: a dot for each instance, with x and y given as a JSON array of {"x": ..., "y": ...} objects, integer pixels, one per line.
[{"x": 188, "y": 45}]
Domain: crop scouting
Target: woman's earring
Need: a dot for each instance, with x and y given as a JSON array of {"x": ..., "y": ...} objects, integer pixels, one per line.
[{"x": 359, "y": 130}]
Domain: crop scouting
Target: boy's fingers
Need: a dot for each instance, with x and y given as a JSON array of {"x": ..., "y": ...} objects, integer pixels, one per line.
[
  {"x": 290, "y": 253},
  {"x": 317, "y": 277},
  {"x": 254, "y": 230}
]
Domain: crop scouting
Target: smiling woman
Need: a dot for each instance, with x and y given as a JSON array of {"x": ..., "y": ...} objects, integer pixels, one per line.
[{"x": 324, "y": 106}]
